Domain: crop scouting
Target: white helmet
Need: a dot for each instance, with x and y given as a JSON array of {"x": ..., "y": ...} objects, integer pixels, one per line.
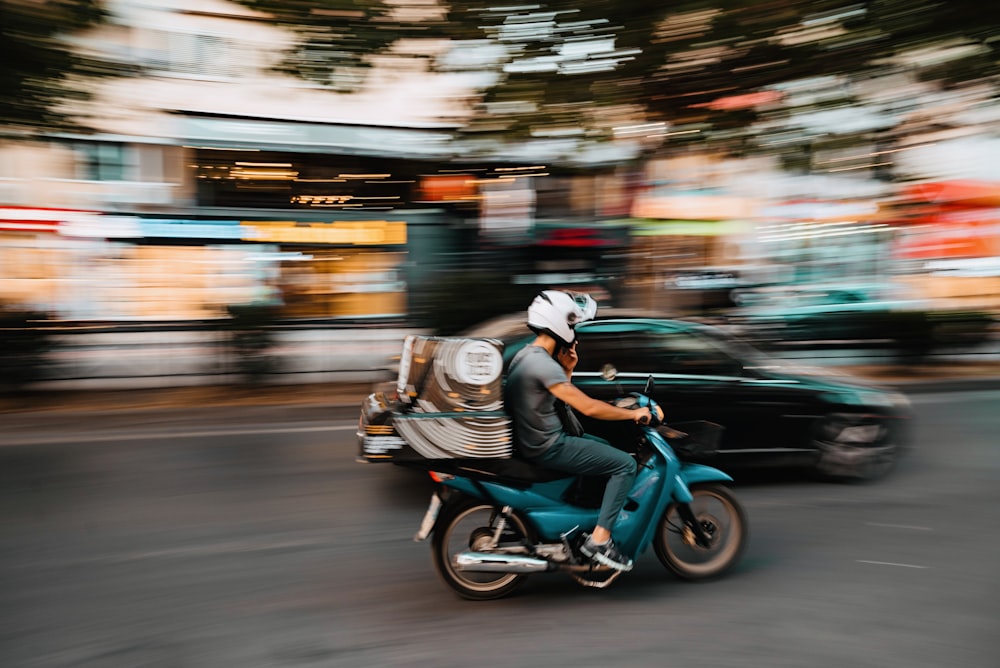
[{"x": 557, "y": 313}]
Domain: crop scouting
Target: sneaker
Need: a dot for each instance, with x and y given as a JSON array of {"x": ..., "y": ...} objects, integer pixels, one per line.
[{"x": 606, "y": 554}]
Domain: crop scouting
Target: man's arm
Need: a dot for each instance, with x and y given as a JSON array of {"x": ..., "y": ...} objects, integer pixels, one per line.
[{"x": 595, "y": 408}]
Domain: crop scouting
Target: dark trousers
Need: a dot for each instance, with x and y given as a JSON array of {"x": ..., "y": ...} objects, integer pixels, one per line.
[{"x": 589, "y": 455}]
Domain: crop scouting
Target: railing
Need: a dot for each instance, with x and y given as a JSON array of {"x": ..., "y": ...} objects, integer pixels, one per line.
[{"x": 155, "y": 358}]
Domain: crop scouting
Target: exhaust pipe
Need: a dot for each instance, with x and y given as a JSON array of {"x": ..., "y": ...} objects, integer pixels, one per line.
[{"x": 482, "y": 562}]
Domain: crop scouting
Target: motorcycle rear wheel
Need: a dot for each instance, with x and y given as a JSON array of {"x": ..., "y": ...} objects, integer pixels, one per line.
[
  {"x": 460, "y": 528},
  {"x": 721, "y": 516}
]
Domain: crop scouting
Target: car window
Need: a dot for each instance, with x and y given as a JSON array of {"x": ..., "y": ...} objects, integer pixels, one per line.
[
  {"x": 674, "y": 352},
  {"x": 624, "y": 351}
]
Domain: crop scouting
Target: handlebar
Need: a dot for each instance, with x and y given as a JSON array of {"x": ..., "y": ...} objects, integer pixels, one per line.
[{"x": 636, "y": 400}]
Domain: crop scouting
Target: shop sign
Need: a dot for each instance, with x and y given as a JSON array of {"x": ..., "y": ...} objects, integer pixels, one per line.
[
  {"x": 341, "y": 233},
  {"x": 163, "y": 228},
  {"x": 97, "y": 226},
  {"x": 962, "y": 234},
  {"x": 820, "y": 211},
  {"x": 448, "y": 188},
  {"x": 508, "y": 208}
]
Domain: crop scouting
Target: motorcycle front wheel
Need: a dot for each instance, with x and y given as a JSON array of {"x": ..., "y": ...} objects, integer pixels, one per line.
[
  {"x": 469, "y": 525},
  {"x": 721, "y": 517}
]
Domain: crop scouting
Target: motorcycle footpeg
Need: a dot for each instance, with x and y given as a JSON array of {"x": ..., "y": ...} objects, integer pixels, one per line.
[{"x": 572, "y": 540}]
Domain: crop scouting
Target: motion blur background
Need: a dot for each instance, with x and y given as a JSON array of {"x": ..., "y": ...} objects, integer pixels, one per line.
[
  {"x": 236, "y": 172},
  {"x": 242, "y": 195}
]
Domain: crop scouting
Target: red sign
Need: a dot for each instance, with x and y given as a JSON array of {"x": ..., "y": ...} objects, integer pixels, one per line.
[
  {"x": 27, "y": 219},
  {"x": 961, "y": 192},
  {"x": 956, "y": 234},
  {"x": 575, "y": 237},
  {"x": 448, "y": 188}
]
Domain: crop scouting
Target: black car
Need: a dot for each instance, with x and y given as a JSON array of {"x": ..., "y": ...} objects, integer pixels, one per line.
[{"x": 774, "y": 414}]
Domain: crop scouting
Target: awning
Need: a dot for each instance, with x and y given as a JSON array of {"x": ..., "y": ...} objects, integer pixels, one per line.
[
  {"x": 258, "y": 134},
  {"x": 415, "y": 143}
]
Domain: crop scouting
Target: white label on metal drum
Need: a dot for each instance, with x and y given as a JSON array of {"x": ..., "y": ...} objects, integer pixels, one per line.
[{"x": 479, "y": 363}]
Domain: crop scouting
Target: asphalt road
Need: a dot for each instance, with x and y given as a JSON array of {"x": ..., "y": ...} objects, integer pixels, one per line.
[{"x": 248, "y": 536}]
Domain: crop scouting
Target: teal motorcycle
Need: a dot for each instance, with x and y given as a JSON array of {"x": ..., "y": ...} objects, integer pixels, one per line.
[{"x": 495, "y": 522}]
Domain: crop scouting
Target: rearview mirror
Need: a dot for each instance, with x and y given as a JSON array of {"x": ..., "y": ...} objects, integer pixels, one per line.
[{"x": 609, "y": 372}]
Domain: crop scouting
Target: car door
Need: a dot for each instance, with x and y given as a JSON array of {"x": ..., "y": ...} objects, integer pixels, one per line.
[
  {"x": 693, "y": 379},
  {"x": 765, "y": 414}
]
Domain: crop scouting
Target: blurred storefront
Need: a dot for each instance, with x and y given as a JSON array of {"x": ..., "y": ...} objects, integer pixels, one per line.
[
  {"x": 677, "y": 231},
  {"x": 948, "y": 241},
  {"x": 213, "y": 181},
  {"x": 590, "y": 258},
  {"x": 824, "y": 241},
  {"x": 81, "y": 265},
  {"x": 338, "y": 269}
]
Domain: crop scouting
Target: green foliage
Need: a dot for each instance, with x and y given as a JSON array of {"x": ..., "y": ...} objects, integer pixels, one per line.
[
  {"x": 336, "y": 38},
  {"x": 24, "y": 343},
  {"x": 43, "y": 76},
  {"x": 582, "y": 67}
]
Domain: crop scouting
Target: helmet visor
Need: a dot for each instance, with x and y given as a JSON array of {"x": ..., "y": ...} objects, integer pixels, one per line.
[{"x": 586, "y": 304}]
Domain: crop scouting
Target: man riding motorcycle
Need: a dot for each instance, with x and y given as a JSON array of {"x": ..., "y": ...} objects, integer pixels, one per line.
[{"x": 539, "y": 378}]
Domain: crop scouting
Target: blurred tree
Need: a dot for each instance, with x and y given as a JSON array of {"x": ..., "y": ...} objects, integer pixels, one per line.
[
  {"x": 45, "y": 77},
  {"x": 697, "y": 63},
  {"x": 575, "y": 69},
  {"x": 337, "y": 38}
]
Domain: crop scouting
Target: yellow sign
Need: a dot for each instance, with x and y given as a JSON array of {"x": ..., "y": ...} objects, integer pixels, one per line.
[{"x": 339, "y": 232}]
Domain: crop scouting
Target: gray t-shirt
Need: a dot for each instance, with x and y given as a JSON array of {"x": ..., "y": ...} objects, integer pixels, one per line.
[{"x": 527, "y": 398}]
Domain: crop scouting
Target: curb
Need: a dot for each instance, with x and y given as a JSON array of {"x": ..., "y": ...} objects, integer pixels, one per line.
[{"x": 330, "y": 396}]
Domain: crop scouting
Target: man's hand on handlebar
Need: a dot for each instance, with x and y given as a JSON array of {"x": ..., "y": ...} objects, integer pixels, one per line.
[{"x": 642, "y": 415}]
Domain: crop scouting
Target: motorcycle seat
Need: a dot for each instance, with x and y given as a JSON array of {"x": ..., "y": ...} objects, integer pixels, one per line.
[{"x": 514, "y": 471}]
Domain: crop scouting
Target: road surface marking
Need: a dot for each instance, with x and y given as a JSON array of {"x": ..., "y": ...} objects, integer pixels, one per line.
[
  {"x": 142, "y": 436},
  {"x": 898, "y": 526},
  {"x": 232, "y": 547},
  {"x": 889, "y": 563}
]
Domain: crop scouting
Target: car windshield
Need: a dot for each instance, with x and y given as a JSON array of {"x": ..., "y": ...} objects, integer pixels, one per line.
[{"x": 737, "y": 347}]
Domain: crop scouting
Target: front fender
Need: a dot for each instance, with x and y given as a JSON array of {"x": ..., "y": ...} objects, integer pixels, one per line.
[
  {"x": 692, "y": 473},
  {"x": 695, "y": 473}
]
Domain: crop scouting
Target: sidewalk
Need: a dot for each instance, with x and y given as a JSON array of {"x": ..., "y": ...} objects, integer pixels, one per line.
[
  {"x": 984, "y": 374},
  {"x": 84, "y": 401}
]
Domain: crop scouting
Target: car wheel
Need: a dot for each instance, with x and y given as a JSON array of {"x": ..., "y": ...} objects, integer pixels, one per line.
[{"x": 852, "y": 448}]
